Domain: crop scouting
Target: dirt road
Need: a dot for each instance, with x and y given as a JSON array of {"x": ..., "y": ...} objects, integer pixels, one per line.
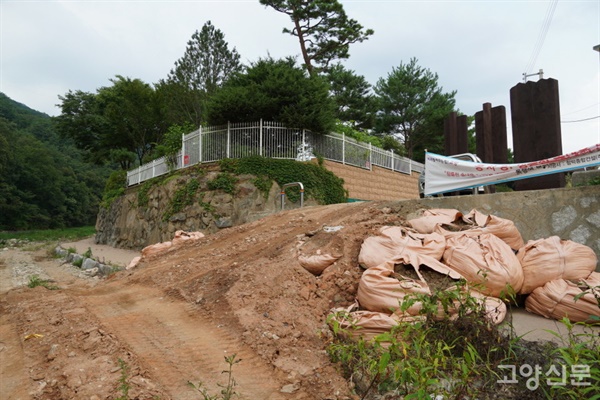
[{"x": 176, "y": 317}]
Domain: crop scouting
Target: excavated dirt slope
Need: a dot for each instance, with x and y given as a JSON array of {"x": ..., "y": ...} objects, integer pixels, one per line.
[{"x": 176, "y": 316}]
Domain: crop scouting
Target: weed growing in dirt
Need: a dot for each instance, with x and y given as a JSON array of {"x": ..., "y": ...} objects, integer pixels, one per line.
[
  {"x": 35, "y": 281},
  {"x": 88, "y": 253},
  {"x": 227, "y": 390},
  {"x": 123, "y": 380},
  {"x": 580, "y": 354},
  {"x": 439, "y": 357}
]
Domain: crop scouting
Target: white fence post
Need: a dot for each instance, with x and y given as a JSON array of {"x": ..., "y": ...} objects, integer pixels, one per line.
[
  {"x": 154, "y": 168},
  {"x": 304, "y": 152},
  {"x": 228, "y": 138},
  {"x": 182, "y": 150},
  {"x": 260, "y": 139},
  {"x": 343, "y": 148},
  {"x": 370, "y": 156},
  {"x": 200, "y": 144},
  {"x": 392, "y": 152}
]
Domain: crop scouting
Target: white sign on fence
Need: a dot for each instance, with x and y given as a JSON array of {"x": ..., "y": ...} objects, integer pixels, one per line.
[{"x": 446, "y": 174}]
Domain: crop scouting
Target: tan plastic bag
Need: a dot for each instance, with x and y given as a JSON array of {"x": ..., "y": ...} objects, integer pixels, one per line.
[
  {"x": 134, "y": 262},
  {"x": 395, "y": 241},
  {"x": 494, "y": 309},
  {"x": 502, "y": 228},
  {"x": 556, "y": 299},
  {"x": 183, "y": 236},
  {"x": 379, "y": 291},
  {"x": 366, "y": 324},
  {"x": 484, "y": 261},
  {"x": 155, "y": 249},
  {"x": 434, "y": 217},
  {"x": 317, "y": 263},
  {"x": 478, "y": 223},
  {"x": 545, "y": 260}
]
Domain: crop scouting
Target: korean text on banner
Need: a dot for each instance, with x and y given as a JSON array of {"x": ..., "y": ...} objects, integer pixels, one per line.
[{"x": 446, "y": 174}]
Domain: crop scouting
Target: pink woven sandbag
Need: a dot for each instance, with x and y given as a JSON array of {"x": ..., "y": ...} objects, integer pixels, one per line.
[
  {"x": 556, "y": 300},
  {"x": 545, "y": 260},
  {"x": 155, "y": 249},
  {"x": 484, "y": 261},
  {"x": 183, "y": 236},
  {"x": 494, "y": 309},
  {"x": 317, "y": 263},
  {"x": 504, "y": 229},
  {"x": 394, "y": 241},
  {"x": 366, "y": 324},
  {"x": 379, "y": 291},
  {"x": 434, "y": 217}
]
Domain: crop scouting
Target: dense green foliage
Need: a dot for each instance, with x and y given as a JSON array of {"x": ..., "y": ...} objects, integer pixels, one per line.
[
  {"x": 319, "y": 183},
  {"x": 44, "y": 182},
  {"x": 114, "y": 188},
  {"x": 49, "y": 235},
  {"x": 274, "y": 90},
  {"x": 323, "y": 29},
  {"x": 206, "y": 64},
  {"x": 355, "y": 103},
  {"x": 125, "y": 117},
  {"x": 413, "y": 107}
]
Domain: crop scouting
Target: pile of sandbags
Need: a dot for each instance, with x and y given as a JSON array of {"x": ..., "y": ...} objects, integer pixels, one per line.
[
  {"x": 485, "y": 250},
  {"x": 162, "y": 247}
]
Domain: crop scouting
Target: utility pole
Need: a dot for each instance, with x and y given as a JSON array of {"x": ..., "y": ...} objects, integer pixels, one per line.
[{"x": 526, "y": 75}]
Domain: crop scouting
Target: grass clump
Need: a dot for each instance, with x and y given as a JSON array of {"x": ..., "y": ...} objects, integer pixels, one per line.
[
  {"x": 35, "y": 281},
  {"x": 46, "y": 235}
]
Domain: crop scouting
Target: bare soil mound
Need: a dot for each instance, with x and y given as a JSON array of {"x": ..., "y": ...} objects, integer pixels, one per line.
[{"x": 176, "y": 316}]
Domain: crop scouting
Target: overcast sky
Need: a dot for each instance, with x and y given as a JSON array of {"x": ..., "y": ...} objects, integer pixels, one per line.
[{"x": 478, "y": 48}]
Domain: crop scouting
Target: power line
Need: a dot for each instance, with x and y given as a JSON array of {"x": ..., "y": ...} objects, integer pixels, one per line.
[
  {"x": 581, "y": 109},
  {"x": 580, "y": 120},
  {"x": 542, "y": 36}
]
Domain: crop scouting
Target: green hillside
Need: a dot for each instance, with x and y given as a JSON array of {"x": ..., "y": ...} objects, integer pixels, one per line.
[{"x": 44, "y": 180}]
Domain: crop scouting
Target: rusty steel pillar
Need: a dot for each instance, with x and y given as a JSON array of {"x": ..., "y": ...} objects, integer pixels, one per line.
[
  {"x": 535, "y": 112},
  {"x": 455, "y": 134},
  {"x": 483, "y": 133}
]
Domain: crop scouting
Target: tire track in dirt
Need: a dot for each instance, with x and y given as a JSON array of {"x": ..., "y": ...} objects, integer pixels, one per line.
[{"x": 177, "y": 346}]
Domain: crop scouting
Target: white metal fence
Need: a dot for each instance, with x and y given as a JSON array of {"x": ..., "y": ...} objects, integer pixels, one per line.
[{"x": 270, "y": 139}]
